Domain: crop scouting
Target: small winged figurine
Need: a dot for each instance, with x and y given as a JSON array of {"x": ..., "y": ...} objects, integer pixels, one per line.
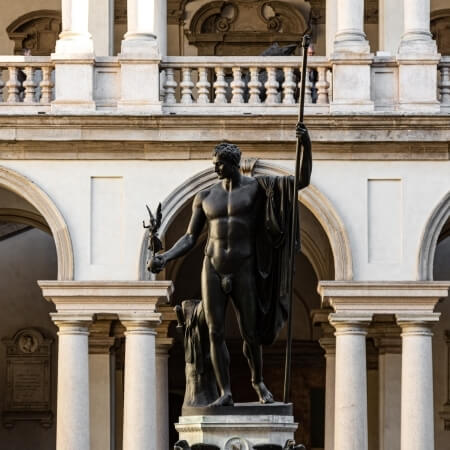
[{"x": 154, "y": 243}]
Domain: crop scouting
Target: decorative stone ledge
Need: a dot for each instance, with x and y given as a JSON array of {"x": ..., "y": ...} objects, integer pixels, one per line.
[
  {"x": 353, "y": 298},
  {"x": 135, "y": 299}
]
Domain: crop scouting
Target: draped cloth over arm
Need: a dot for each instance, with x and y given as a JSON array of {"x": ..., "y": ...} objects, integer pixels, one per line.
[{"x": 273, "y": 241}]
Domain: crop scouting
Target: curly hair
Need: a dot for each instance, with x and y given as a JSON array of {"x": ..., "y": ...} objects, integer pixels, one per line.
[{"x": 228, "y": 152}]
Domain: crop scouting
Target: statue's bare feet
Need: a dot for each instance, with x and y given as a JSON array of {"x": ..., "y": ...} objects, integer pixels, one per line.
[
  {"x": 224, "y": 400},
  {"x": 263, "y": 393}
]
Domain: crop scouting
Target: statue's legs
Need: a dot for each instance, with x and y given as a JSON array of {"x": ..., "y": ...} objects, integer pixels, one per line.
[
  {"x": 215, "y": 304},
  {"x": 245, "y": 300}
]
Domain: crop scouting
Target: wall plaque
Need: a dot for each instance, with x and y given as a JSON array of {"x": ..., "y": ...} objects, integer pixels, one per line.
[{"x": 28, "y": 378}]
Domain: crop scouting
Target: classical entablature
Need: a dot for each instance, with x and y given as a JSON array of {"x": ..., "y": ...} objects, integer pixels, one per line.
[
  {"x": 244, "y": 27},
  {"x": 36, "y": 31},
  {"x": 440, "y": 28}
]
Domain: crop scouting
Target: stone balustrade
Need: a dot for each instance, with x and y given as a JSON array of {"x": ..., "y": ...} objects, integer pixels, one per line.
[
  {"x": 26, "y": 81},
  {"x": 208, "y": 85},
  {"x": 444, "y": 83},
  {"x": 240, "y": 84}
]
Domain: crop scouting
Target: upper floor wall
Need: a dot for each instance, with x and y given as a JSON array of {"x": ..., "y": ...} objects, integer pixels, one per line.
[{"x": 141, "y": 79}]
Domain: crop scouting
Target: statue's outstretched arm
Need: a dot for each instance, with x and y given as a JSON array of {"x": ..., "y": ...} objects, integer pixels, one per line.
[{"x": 186, "y": 242}]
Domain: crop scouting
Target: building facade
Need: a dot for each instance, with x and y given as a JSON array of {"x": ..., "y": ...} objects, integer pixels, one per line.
[{"x": 109, "y": 105}]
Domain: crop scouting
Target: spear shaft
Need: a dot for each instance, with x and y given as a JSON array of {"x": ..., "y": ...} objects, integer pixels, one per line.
[{"x": 298, "y": 169}]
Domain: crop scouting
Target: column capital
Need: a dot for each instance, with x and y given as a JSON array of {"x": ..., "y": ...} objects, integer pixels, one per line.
[
  {"x": 77, "y": 323},
  {"x": 143, "y": 323},
  {"x": 356, "y": 323},
  {"x": 417, "y": 324},
  {"x": 100, "y": 341}
]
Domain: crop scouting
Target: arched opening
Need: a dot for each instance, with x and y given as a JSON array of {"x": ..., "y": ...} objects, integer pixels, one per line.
[
  {"x": 28, "y": 366},
  {"x": 325, "y": 255}
]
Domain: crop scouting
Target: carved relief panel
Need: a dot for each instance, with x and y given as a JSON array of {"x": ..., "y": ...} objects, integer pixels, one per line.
[
  {"x": 28, "y": 378},
  {"x": 244, "y": 27},
  {"x": 36, "y": 32}
]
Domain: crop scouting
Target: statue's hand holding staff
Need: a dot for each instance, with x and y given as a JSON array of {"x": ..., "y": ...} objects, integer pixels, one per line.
[{"x": 302, "y": 133}]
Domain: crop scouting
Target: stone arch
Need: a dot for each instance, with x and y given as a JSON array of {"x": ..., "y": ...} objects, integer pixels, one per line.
[
  {"x": 36, "y": 31},
  {"x": 311, "y": 198},
  {"x": 25, "y": 188},
  {"x": 433, "y": 229}
]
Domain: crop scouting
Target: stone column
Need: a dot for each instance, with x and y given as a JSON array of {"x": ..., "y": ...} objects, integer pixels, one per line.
[
  {"x": 72, "y": 432},
  {"x": 351, "y": 381},
  {"x": 351, "y": 60},
  {"x": 140, "y": 57},
  {"x": 100, "y": 386},
  {"x": 328, "y": 343},
  {"x": 74, "y": 60},
  {"x": 350, "y": 36},
  {"x": 417, "y": 421},
  {"x": 75, "y": 37},
  {"x": 387, "y": 339},
  {"x": 140, "y": 405},
  {"x": 418, "y": 60}
]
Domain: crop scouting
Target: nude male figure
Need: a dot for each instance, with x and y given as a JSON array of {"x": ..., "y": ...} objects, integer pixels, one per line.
[{"x": 231, "y": 210}]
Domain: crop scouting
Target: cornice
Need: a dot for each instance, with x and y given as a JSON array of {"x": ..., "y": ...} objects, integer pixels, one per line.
[{"x": 113, "y": 137}]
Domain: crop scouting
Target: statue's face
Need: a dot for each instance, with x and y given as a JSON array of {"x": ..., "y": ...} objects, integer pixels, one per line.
[{"x": 223, "y": 168}]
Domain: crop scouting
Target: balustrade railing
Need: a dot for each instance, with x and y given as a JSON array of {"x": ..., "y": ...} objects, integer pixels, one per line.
[
  {"x": 26, "y": 80},
  {"x": 444, "y": 82},
  {"x": 243, "y": 82}
]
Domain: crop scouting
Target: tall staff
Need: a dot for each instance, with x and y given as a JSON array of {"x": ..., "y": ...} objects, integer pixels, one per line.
[{"x": 298, "y": 168}]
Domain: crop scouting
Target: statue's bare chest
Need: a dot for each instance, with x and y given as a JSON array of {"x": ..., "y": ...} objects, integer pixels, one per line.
[{"x": 238, "y": 202}]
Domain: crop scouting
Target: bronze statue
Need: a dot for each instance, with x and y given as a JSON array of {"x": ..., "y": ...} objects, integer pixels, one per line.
[{"x": 246, "y": 258}]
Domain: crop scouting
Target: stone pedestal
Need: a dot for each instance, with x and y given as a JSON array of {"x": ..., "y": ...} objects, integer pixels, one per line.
[{"x": 245, "y": 426}]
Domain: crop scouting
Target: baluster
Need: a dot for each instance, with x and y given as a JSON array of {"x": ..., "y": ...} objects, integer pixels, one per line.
[
  {"x": 170, "y": 86},
  {"x": 1, "y": 85},
  {"x": 30, "y": 85},
  {"x": 254, "y": 86},
  {"x": 186, "y": 86},
  {"x": 308, "y": 85},
  {"x": 322, "y": 86},
  {"x": 203, "y": 86},
  {"x": 237, "y": 86},
  {"x": 13, "y": 85},
  {"x": 220, "y": 86},
  {"x": 46, "y": 84},
  {"x": 444, "y": 85},
  {"x": 272, "y": 86},
  {"x": 288, "y": 86}
]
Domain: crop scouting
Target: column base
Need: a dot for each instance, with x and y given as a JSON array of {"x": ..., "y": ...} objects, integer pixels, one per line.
[
  {"x": 71, "y": 44},
  {"x": 140, "y": 47},
  {"x": 417, "y": 43},
  {"x": 244, "y": 431},
  {"x": 351, "y": 41}
]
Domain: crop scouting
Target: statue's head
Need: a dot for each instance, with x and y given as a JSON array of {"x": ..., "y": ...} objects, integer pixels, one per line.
[{"x": 226, "y": 159}]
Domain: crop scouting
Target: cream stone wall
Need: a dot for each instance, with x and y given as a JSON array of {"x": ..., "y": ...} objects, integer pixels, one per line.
[{"x": 384, "y": 207}]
